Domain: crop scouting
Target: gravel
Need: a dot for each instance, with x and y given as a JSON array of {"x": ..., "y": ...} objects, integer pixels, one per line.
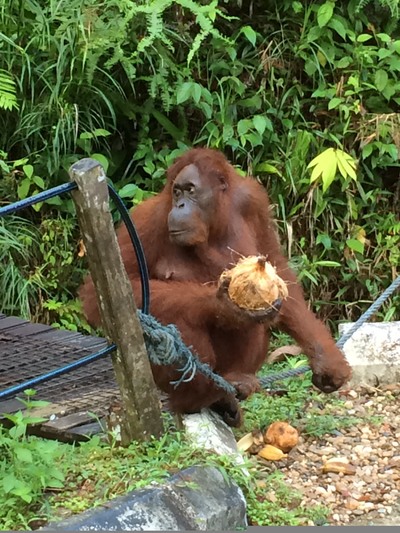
[{"x": 370, "y": 494}]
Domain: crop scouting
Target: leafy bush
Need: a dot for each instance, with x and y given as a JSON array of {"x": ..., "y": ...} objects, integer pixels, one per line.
[
  {"x": 272, "y": 84},
  {"x": 28, "y": 466}
]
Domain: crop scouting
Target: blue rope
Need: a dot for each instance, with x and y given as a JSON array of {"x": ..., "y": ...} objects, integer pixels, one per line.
[
  {"x": 11, "y": 391},
  {"x": 164, "y": 345},
  {"x": 137, "y": 246},
  {"x": 268, "y": 380},
  {"x": 370, "y": 311},
  {"x": 40, "y": 197}
]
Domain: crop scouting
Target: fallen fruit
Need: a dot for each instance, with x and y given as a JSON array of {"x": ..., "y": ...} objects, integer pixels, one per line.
[
  {"x": 271, "y": 453},
  {"x": 282, "y": 435}
]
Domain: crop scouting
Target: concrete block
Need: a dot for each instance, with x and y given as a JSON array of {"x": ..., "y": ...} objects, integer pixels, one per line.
[{"x": 373, "y": 352}]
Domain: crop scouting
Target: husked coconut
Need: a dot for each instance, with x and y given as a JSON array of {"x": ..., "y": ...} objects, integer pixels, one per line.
[
  {"x": 282, "y": 435},
  {"x": 254, "y": 283}
]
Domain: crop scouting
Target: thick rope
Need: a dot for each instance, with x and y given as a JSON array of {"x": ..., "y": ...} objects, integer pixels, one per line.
[{"x": 165, "y": 347}]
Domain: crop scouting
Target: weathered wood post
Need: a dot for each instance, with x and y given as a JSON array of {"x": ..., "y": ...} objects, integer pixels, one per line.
[{"x": 140, "y": 400}]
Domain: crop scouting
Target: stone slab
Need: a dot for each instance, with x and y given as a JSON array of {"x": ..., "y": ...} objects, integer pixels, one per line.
[
  {"x": 198, "y": 498},
  {"x": 373, "y": 352},
  {"x": 208, "y": 431}
]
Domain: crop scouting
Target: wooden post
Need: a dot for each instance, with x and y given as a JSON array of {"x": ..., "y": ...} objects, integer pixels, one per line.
[{"x": 140, "y": 399}]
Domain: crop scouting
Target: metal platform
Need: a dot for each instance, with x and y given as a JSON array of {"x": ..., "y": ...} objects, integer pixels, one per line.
[{"x": 79, "y": 400}]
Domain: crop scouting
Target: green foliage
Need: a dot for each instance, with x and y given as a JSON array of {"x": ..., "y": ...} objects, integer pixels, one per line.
[
  {"x": 327, "y": 165},
  {"x": 28, "y": 467},
  {"x": 39, "y": 269},
  {"x": 280, "y": 87},
  {"x": 8, "y": 99},
  {"x": 18, "y": 249}
]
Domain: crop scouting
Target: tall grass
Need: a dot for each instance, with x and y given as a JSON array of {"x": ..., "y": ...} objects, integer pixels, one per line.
[{"x": 19, "y": 287}]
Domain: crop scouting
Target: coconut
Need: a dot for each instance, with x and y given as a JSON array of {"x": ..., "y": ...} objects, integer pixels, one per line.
[
  {"x": 254, "y": 283},
  {"x": 282, "y": 435}
]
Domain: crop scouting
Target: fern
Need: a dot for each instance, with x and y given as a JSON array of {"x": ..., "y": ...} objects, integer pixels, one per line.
[
  {"x": 8, "y": 94},
  {"x": 154, "y": 10},
  {"x": 392, "y": 5}
]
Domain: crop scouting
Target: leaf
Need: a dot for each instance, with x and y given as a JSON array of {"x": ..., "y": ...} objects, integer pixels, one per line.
[
  {"x": 384, "y": 53},
  {"x": 197, "y": 90},
  {"x": 315, "y": 174},
  {"x": 381, "y": 79},
  {"x": 250, "y": 34},
  {"x": 254, "y": 101},
  {"x": 100, "y": 132},
  {"x": 102, "y": 160},
  {"x": 347, "y": 164},
  {"x": 23, "y": 188},
  {"x": 384, "y": 37},
  {"x": 325, "y": 13},
  {"x": 321, "y": 58},
  {"x": 37, "y": 180},
  {"x": 344, "y": 62},
  {"x": 260, "y": 123},
  {"x": 280, "y": 353},
  {"x": 23, "y": 454},
  {"x": 396, "y": 46},
  {"x": 367, "y": 150},
  {"x": 314, "y": 34},
  {"x": 325, "y": 168},
  {"x": 355, "y": 245},
  {"x": 394, "y": 63},
  {"x": 244, "y": 126},
  {"x": 325, "y": 240},
  {"x": 320, "y": 158},
  {"x": 308, "y": 275},
  {"x": 364, "y": 37},
  {"x": 28, "y": 170},
  {"x": 128, "y": 191},
  {"x": 326, "y": 263},
  {"x": 169, "y": 126},
  {"x": 329, "y": 174},
  {"x": 334, "y": 103},
  {"x": 338, "y": 26},
  {"x": 184, "y": 92},
  {"x": 9, "y": 481},
  {"x": 389, "y": 90},
  {"x": 267, "y": 167},
  {"x": 206, "y": 108},
  {"x": 227, "y": 132}
]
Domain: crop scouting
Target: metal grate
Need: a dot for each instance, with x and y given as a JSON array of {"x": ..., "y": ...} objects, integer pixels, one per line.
[{"x": 22, "y": 358}]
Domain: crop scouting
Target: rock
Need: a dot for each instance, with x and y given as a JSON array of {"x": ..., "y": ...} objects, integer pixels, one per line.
[{"x": 199, "y": 498}]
